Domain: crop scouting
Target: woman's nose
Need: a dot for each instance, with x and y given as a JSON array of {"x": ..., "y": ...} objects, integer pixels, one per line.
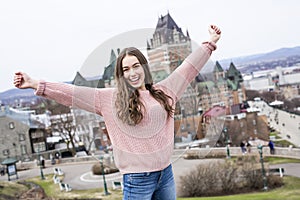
[{"x": 131, "y": 71}]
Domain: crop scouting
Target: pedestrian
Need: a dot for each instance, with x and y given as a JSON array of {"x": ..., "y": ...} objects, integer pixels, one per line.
[
  {"x": 248, "y": 145},
  {"x": 271, "y": 146},
  {"x": 2, "y": 171},
  {"x": 139, "y": 115},
  {"x": 52, "y": 159},
  {"x": 243, "y": 147}
]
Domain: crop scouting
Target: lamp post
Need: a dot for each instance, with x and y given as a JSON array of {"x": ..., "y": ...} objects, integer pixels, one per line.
[
  {"x": 260, "y": 150},
  {"x": 103, "y": 175},
  {"x": 227, "y": 141},
  {"x": 41, "y": 167}
]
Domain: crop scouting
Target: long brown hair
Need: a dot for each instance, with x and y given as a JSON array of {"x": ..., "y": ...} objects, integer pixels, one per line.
[{"x": 129, "y": 107}]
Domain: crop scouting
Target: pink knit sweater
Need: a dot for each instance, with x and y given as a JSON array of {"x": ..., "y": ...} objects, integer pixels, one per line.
[{"x": 147, "y": 146}]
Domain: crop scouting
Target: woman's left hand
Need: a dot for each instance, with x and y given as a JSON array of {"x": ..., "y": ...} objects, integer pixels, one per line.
[{"x": 215, "y": 33}]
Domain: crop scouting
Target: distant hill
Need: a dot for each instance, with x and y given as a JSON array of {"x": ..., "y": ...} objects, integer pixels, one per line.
[
  {"x": 9, "y": 96},
  {"x": 279, "y": 54},
  {"x": 13, "y": 94}
]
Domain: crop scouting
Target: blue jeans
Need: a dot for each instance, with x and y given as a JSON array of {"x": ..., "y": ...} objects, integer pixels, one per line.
[{"x": 159, "y": 185}]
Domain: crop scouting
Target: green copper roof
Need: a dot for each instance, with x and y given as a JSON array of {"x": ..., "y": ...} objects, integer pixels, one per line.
[
  {"x": 234, "y": 77},
  {"x": 8, "y": 161},
  {"x": 159, "y": 75},
  {"x": 218, "y": 67}
]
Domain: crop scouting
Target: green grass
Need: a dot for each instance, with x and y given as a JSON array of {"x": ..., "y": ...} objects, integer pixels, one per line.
[
  {"x": 53, "y": 190},
  {"x": 274, "y": 160},
  {"x": 279, "y": 160},
  {"x": 11, "y": 189},
  {"x": 275, "y": 134},
  {"x": 290, "y": 191},
  {"x": 282, "y": 143}
]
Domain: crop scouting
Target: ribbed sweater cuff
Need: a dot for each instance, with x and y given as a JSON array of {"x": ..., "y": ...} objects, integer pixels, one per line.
[
  {"x": 41, "y": 88},
  {"x": 210, "y": 45}
]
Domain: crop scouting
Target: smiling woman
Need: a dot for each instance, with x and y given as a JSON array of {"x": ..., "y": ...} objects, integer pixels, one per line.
[{"x": 139, "y": 115}]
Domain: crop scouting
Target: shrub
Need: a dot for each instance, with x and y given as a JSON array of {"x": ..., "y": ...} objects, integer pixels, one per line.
[
  {"x": 251, "y": 172},
  {"x": 97, "y": 169},
  {"x": 230, "y": 177},
  {"x": 274, "y": 181},
  {"x": 199, "y": 182}
]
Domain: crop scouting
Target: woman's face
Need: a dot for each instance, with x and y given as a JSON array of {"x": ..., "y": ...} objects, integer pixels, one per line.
[{"x": 133, "y": 72}]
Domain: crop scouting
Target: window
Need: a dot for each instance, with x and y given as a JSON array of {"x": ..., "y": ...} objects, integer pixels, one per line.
[
  {"x": 11, "y": 125},
  {"x": 23, "y": 149},
  {"x": 39, "y": 147},
  {"x": 37, "y": 134},
  {"x": 22, "y": 137},
  {"x": 5, "y": 152}
]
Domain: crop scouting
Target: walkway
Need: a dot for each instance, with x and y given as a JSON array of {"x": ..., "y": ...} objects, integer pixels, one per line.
[{"x": 79, "y": 175}]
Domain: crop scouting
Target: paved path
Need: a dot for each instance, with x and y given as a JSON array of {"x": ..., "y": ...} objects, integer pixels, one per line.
[
  {"x": 290, "y": 169},
  {"x": 79, "y": 175}
]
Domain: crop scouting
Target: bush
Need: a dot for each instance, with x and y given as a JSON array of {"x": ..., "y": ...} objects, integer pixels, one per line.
[
  {"x": 274, "y": 181},
  {"x": 251, "y": 172},
  {"x": 97, "y": 169},
  {"x": 199, "y": 182},
  {"x": 230, "y": 177}
]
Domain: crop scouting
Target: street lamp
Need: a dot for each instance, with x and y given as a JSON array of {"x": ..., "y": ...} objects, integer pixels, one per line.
[
  {"x": 260, "y": 150},
  {"x": 41, "y": 167},
  {"x": 227, "y": 141},
  {"x": 103, "y": 174}
]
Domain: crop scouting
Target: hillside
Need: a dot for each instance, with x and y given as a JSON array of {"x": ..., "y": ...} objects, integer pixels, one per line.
[{"x": 283, "y": 54}]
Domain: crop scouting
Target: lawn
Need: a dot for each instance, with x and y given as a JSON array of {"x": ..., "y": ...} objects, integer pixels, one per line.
[
  {"x": 53, "y": 190},
  {"x": 11, "y": 189},
  {"x": 290, "y": 191},
  {"x": 279, "y": 160}
]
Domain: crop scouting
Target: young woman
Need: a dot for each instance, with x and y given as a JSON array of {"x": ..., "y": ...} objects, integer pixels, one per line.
[{"x": 138, "y": 115}]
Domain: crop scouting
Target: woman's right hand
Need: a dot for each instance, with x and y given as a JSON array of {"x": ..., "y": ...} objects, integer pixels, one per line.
[{"x": 23, "y": 81}]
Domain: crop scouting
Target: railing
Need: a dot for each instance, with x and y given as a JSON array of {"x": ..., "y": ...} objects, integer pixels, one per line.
[
  {"x": 178, "y": 153},
  {"x": 235, "y": 151}
]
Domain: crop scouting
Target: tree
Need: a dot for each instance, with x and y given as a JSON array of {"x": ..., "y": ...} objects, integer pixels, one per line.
[{"x": 65, "y": 126}]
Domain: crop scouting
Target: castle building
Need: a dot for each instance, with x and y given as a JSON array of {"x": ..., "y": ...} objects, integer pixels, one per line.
[{"x": 168, "y": 48}]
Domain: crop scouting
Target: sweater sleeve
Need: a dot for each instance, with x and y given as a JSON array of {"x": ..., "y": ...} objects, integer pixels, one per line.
[
  {"x": 177, "y": 81},
  {"x": 70, "y": 95}
]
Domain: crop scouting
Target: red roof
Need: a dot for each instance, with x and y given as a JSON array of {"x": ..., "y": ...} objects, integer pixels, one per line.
[{"x": 216, "y": 111}]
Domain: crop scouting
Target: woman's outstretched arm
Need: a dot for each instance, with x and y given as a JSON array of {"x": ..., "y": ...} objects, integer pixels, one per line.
[{"x": 69, "y": 95}]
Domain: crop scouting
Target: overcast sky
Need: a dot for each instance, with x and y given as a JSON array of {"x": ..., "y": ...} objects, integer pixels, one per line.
[{"x": 52, "y": 39}]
